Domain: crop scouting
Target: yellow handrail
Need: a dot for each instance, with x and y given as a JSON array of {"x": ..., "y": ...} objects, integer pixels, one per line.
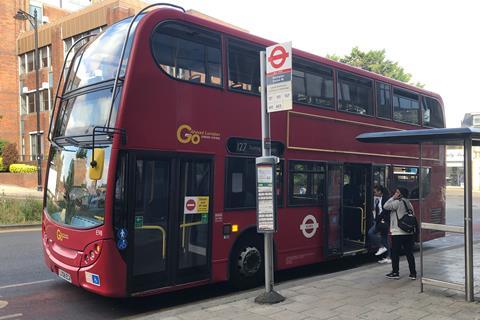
[
  {"x": 183, "y": 226},
  {"x": 162, "y": 230},
  {"x": 362, "y": 225}
]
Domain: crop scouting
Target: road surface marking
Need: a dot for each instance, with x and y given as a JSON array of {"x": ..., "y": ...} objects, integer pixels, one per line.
[
  {"x": 24, "y": 284},
  {"x": 3, "y": 304},
  {"x": 11, "y": 316},
  {"x": 20, "y": 230}
]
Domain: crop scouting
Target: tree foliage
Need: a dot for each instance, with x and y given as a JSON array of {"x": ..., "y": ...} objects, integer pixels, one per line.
[
  {"x": 375, "y": 61},
  {"x": 10, "y": 154}
]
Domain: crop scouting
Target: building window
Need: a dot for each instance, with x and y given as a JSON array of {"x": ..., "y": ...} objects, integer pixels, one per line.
[
  {"x": 188, "y": 53},
  {"x": 313, "y": 84},
  {"x": 243, "y": 67},
  {"x": 33, "y": 145},
  {"x": 405, "y": 106},
  {"x": 31, "y": 102},
  {"x": 306, "y": 183},
  {"x": 32, "y": 8},
  {"x": 21, "y": 64},
  {"x": 355, "y": 94},
  {"x": 384, "y": 101},
  {"x": 30, "y": 61},
  {"x": 23, "y": 148},
  {"x": 44, "y": 101},
  {"x": 23, "y": 104},
  {"x": 45, "y": 56}
]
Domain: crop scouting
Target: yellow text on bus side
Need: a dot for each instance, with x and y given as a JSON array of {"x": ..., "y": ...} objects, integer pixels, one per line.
[{"x": 185, "y": 134}]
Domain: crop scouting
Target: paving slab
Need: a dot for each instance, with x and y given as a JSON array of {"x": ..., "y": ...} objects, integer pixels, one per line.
[{"x": 360, "y": 293}]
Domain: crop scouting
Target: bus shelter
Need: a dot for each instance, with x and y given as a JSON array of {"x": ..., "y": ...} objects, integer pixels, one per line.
[{"x": 468, "y": 137}]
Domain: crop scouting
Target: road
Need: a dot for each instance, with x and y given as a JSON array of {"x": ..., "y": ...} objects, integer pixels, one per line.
[{"x": 29, "y": 291}]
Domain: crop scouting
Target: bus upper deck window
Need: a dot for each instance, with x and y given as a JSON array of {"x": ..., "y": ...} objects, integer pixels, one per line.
[
  {"x": 188, "y": 53},
  {"x": 432, "y": 113},
  {"x": 405, "y": 106}
]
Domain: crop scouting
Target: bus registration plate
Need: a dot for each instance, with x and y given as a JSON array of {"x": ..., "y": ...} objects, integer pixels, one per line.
[{"x": 64, "y": 275}]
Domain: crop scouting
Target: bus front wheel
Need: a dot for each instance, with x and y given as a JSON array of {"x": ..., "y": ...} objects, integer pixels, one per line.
[{"x": 246, "y": 263}]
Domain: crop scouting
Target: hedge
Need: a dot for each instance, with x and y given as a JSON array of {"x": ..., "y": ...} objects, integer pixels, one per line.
[
  {"x": 2, "y": 167},
  {"x": 22, "y": 168}
]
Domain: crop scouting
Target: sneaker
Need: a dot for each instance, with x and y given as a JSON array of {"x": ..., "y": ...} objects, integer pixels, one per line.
[
  {"x": 392, "y": 275},
  {"x": 413, "y": 276},
  {"x": 385, "y": 260},
  {"x": 380, "y": 251}
]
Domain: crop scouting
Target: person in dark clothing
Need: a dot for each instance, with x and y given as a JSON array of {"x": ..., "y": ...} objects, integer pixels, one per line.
[
  {"x": 378, "y": 233},
  {"x": 398, "y": 205}
]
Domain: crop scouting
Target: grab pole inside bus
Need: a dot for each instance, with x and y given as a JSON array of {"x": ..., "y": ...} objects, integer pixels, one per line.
[{"x": 269, "y": 296}]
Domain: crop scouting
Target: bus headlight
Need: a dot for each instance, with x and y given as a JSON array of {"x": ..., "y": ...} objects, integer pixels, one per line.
[{"x": 91, "y": 253}]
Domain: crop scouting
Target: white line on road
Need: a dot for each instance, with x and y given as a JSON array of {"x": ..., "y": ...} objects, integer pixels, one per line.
[
  {"x": 25, "y": 284},
  {"x": 11, "y": 316},
  {"x": 3, "y": 304}
]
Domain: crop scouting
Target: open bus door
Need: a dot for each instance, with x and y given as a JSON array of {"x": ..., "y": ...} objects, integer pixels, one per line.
[
  {"x": 356, "y": 207},
  {"x": 333, "y": 219},
  {"x": 171, "y": 207}
]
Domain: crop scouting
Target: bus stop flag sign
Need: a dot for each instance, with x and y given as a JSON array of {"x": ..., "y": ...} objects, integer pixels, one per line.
[{"x": 279, "y": 77}]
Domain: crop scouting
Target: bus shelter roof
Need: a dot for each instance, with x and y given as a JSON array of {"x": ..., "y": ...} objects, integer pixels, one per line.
[{"x": 446, "y": 136}]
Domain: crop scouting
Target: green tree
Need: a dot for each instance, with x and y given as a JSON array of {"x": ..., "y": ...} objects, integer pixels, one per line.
[{"x": 375, "y": 61}]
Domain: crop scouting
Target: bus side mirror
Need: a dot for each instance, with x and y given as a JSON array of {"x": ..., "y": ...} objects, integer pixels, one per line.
[{"x": 95, "y": 170}]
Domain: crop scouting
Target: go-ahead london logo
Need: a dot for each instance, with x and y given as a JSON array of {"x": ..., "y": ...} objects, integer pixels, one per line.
[
  {"x": 309, "y": 226},
  {"x": 185, "y": 134}
]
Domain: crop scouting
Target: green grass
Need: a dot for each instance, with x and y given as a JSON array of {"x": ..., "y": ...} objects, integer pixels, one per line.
[{"x": 18, "y": 211}]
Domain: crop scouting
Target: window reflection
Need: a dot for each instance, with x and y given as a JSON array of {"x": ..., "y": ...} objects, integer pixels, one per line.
[
  {"x": 355, "y": 94},
  {"x": 73, "y": 198},
  {"x": 80, "y": 114},
  {"x": 405, "y": 106},
  {"x": 188, "y": 53},
  {"x": 99, "y": 59}
]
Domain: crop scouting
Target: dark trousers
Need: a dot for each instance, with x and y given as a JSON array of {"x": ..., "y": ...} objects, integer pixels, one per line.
[{"x": 407, "y": 242}]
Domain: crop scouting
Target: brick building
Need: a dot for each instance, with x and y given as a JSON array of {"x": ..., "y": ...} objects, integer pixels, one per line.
[{"x": 58, "y": 30}]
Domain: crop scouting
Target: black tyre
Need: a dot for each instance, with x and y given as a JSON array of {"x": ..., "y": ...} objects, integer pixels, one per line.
[{"x": 247, "y": 263}]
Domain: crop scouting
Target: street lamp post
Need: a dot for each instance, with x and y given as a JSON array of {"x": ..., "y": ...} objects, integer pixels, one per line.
[{"x": 22, "y": 15}]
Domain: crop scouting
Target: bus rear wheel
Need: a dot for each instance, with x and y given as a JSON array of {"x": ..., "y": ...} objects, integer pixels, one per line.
[{"x": 247, "y": 264}]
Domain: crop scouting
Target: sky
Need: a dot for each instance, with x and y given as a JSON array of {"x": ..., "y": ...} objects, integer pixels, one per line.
[{"x": 437, "y": 42}]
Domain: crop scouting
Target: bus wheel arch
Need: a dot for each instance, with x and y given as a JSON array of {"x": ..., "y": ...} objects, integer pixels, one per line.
[{"x": 246, "y": 260}]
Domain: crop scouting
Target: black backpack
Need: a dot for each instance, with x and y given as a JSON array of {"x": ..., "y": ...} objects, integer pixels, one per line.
[{"x": 408, "y": 222}]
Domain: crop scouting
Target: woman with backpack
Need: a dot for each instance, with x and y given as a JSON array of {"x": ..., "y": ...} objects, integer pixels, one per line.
[{"x": 399, "y": 206}]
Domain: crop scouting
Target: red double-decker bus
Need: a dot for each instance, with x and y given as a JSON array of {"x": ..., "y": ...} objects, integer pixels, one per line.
[{"x": 151, "y": 174}]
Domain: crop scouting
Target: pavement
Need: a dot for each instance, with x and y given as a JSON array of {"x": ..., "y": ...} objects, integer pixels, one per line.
[
  {"x": 360, "y": 293},
  {"x": 13, "y": 191}
]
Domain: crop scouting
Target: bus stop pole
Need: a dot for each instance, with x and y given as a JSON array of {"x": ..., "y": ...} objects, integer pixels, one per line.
[
  {"x": 266, "y": 152},
  {"x": 270, "y": 296},
  {"x": 467, "y": 187}
]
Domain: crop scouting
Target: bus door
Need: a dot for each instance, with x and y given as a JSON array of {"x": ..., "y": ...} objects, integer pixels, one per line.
[
  {"x": 357, "y": 193},
  {"x": 333, "y": 232},
  {"x": 171, "y": 221}
]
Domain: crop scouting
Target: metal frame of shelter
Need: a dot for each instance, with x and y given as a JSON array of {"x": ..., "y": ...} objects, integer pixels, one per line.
[{"x": 468, "y": 137}]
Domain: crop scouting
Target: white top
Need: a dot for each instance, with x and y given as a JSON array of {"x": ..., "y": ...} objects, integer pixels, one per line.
[{"x": 397, "y": 208}]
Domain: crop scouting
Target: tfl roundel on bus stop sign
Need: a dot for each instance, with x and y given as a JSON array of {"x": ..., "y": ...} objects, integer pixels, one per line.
[{"x": 279, "y": 77}]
